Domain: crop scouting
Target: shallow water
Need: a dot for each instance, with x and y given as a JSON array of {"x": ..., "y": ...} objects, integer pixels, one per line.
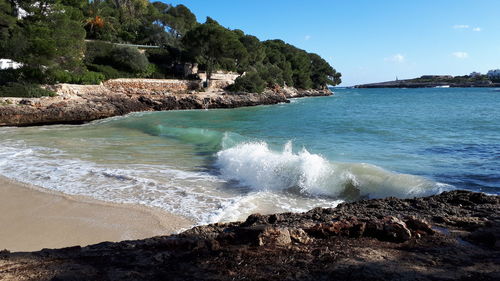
[{"x": 221, "y": 165}]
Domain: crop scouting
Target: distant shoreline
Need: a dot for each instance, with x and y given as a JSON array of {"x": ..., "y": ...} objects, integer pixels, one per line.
[{"x": 434, "y": 81}]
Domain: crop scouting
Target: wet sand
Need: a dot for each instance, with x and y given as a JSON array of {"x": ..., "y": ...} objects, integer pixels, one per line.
[{"x": 32, "y": 218}]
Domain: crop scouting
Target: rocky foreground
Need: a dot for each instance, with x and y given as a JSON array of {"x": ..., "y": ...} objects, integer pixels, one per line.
[
  {"x": 452, "y": 236},
  {"x": 76, "y": 104}
]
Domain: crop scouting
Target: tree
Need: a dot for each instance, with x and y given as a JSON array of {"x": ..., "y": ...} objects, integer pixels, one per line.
[
  {"x": 214, "y": 46},
  {"x": 255, "y": 50},
  {"x": 322, "y": 73},
  {"x": 249, "y": 83},
  {"x": 8, "y": 20},
  {"x": 49, "y": 35},
  {"x": 179, "y": 20}
]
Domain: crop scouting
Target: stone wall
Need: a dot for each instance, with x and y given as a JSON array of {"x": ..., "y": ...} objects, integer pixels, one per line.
[{"x": 152, "y": 86}]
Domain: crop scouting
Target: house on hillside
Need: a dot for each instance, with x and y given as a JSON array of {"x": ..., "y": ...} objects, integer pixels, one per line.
[
  {"x": 475, "y": 74},
  {"x": 9, "y": 64}
]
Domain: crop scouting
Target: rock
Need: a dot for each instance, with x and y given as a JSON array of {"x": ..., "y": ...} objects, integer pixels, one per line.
[
  {"x": 76, "y": 104},
  {"x": 364, "y": 240},
  {"x": 300, "y": 236},
  {"x": 419, "y": 225},
  {"x": 274, "y": 236},
  {"x": 395, "y": 230}
]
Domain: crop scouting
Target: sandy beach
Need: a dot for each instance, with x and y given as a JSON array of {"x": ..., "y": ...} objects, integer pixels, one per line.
[{"x": 32, "y": 219}]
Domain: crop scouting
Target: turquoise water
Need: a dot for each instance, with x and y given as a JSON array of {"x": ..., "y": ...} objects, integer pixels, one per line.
[{"x": 221, "y": 165}]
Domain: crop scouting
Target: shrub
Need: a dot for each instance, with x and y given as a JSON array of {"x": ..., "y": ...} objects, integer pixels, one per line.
[
  {"x": 9, "y": 75},
  {"x": 249, "y": 83},
  {"x": 97, "y": 52},
  {"x": 61, "y": 76},
  {"x": 21, "y": 90},
  {"x": 129, "y": 59},
  {"x": 89, "y": 78},
  {"x": 108, "y": 71},
  {"x": 150, "y": 70}
]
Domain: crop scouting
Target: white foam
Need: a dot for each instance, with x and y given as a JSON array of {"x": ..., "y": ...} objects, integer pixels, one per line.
[
  {"x": 258, "y": 167},
  {"x": 181, "y": 192}
]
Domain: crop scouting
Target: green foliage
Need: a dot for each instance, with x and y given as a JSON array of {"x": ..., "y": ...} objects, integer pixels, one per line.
[
  {"x": 22, "y": 90},
  {"x": 7, "y": 21},
  {"x": 89, "y": 78},
  {"x": 9, "y": 75},
  {"x": 272, "y": 74},
  {"x": 322, "y": 73},
  {"x": 179, "y": 20},
  {"x": 128, "y": 59},
  {"x": 49, "y": 42},
  {"x": 115, "y": 60},
  {"x": 97, "y": 52},
  {"x": 255, "y": 49},
  {"x": 215, "y": 46},
  {"x": 49, "y": 36},
  {"x": 108, "y": 71},
  {"x": 249, "y": 83},
  {"x": 86, "y": 78}
]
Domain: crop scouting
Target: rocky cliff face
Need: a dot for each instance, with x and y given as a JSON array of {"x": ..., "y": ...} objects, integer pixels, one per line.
[
  {"x": 82, "y": 103},
  {"x": 452, "y": 236}
]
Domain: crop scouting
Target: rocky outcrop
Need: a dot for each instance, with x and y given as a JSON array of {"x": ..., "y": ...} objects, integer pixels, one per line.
[
  {"x": 452, "y": 236},
  {"x": 76, "y": 104}
]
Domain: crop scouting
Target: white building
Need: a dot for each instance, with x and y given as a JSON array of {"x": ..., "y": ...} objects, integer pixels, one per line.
[
  {"x": 475, "y": 74},
  {"x": 7, "y": 63},
  {"x": 494, "y": 73}
]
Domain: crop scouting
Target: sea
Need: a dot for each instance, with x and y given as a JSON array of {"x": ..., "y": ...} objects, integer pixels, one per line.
[{"x": 225, "y": 164}]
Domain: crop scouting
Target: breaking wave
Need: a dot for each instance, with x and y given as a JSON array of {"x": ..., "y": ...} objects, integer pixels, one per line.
[{"x": 256, "y": 166}]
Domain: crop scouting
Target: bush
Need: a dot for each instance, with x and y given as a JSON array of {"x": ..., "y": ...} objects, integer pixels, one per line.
[
  {"x": 116, "y": 61},
  {"x": 129, "y": 59},
  {"x": 63, "y": 76},
  {"x": 20, "y": 90},
  {"x": 108, "y": 71},
  {"x": 9, "y": 75},
  {"x": 89, "y": 78},
  {"x": 249, "y": 83},
  {"x": 97, "y": 52}
]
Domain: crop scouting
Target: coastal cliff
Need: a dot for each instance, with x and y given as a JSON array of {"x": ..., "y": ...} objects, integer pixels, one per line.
[
  {"x": 76, "y": 104},
  {"x": 451, "y": 236}
]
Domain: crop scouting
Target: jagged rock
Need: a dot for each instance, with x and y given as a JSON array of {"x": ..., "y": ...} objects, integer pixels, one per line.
[
  {"x": 299, "y": 235},
  {"x": 365, "y": 240},
  {"x": 274, "y": 236},
  {"x": 395, "y": 229},
  {"x": 419, "y": 226}
]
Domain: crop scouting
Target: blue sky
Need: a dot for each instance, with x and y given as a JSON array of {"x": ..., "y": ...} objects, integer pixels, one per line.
[{"x": 372, "y": 41}]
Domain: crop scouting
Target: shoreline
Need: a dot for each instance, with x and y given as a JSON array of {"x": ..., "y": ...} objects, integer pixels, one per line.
[
  {"x": 78, "y": 104},
  {"x": 33, "y": 218}
]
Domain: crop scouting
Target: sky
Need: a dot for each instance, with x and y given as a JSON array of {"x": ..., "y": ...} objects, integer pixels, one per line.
[{"x": 373, "y": 41}]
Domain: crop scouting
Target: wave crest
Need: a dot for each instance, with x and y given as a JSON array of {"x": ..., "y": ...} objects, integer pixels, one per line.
[{"x": 256, "y": 166}]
